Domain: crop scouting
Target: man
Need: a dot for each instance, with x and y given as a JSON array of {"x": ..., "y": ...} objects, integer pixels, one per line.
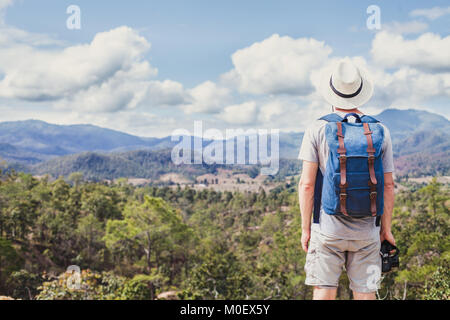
[{"x": 338, "y": 241}]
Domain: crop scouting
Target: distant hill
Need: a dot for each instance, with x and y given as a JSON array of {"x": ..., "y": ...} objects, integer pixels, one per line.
[
  {"x": 45, "y": 140},
  {"x": 423, "y": 153},
  {"x": 18, "y": 154},
  {"x": 428, "y": 142},
  {"x": 402, "y": 123},
  {"x": 32, "y": 141}
]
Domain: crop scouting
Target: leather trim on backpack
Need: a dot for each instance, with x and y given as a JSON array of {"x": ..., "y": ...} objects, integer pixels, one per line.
[
  {"x": 343, "y": 167},
  {"x": 371, "y": 160}
]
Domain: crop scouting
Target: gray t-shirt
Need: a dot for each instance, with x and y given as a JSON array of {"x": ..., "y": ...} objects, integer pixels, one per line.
[{"x": 315, "y": 149}]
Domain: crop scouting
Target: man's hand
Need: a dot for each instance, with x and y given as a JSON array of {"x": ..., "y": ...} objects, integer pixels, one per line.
[
  {"x": 306, "y": 235},
  {"x": 386, "y": 218},
  {"x": 386, "y": 235}
]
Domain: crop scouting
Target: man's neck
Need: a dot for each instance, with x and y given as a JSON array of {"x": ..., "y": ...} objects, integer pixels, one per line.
[{"x": 348, "y": 111}]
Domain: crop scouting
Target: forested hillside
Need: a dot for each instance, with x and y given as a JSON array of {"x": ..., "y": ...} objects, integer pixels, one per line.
[
  {"x": 145, "y": 243},
  {"x": 142, "y": 164}
]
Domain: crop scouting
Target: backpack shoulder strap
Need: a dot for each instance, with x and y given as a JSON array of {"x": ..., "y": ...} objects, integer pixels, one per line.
[
  {"x": 369, "y": 119},
  {"x": 332, "y": 117},
  {"x": 317, "y": 196},
  {"x": 343, "y": 169}
]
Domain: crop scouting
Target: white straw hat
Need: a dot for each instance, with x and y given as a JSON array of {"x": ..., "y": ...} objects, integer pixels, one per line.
[{"x": 346, "y": 86}]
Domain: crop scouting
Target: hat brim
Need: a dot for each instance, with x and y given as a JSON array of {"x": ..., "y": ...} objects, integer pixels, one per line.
[{"x": 346, "y": 103}]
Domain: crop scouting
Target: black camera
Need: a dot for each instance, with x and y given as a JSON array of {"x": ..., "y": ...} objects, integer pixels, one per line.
[{"x": 389, "y": 256}]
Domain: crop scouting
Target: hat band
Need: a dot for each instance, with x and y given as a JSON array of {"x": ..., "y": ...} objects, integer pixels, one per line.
[{"x": 343, "y": 95}]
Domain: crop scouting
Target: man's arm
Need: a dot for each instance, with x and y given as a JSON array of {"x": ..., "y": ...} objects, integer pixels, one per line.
[
  {"x": 306, "y": 199},
  {"x": 386, "y": 218}
]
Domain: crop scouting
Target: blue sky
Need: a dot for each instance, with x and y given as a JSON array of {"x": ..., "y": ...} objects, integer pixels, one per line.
[{"x": 192, "y": 42}]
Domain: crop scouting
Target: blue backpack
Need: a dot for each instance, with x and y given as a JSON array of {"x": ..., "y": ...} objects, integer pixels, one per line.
[{"x": 353, "y": 183}]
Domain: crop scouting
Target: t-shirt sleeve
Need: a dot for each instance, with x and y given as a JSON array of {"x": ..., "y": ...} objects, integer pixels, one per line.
[
  {"x": 387, "y": 153},
  {"x": 308, "y": 150}
]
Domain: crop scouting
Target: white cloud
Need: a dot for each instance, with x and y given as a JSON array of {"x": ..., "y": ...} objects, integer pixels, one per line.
[
  {"x": 139, "y": 123},
  {"x": 167, "y": 92},
  {"x": 428, "y": 52},
  {"x": 11, "y": 36},
  {"x": 271, "y": 110},
  {"x": 244, "y": 113},
  {"x": 277, "y": 65},
  {"x": 409, "y": 86},
  {"x": 431, "y": 13},
  {"x": 112, "y": 95},
  {"x": 33, "y": 74},
  {"x": 119, "y": 93},
  {"x": 290, "y": 112},
  {"x": 409, "y": 27},
  {"x": 3, "y": 5},
  {"x": 108, "y": 74},
  {"x": 208, "y": 97}
]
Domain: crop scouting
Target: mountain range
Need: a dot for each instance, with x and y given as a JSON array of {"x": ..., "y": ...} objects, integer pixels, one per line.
[{"x": 40, "y": 147}]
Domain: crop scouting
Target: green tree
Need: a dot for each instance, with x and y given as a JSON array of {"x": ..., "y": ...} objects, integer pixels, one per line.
[
  {"x": 90, "y": 233},
  {"x": 154, "y": 227},
  {"x": 24, "y": 284},
  {"x": 439, "y": 286},
  {"x": 93, "y": 286},
  {"x": 9, "y": 262},
  {"x": 143, "y": 287},
  {"x": 218, "y": 275}
]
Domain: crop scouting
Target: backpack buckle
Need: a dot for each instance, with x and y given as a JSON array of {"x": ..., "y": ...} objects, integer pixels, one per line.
[
  {"x": 372, "y": 185},
  {"x": 343, "y": 187},
  {"x": 343, "y": 196}
]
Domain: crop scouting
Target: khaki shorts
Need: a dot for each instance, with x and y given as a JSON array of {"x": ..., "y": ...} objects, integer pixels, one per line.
[{"x": 328, "y": 256}]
